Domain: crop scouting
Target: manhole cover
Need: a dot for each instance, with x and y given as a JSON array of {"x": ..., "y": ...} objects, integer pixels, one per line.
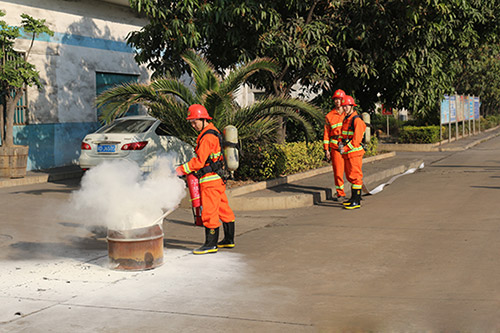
[{"x": 5, "y": 238}]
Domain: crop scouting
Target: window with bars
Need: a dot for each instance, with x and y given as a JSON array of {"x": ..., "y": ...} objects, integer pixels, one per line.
[{"x": 20, "y": 116}]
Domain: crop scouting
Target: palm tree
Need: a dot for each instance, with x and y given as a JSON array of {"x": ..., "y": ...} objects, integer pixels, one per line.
[{"x": 168, "y": 100}]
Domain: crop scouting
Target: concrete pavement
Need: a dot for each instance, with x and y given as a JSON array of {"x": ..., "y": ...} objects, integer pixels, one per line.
[{"x": 311, "y": 269}]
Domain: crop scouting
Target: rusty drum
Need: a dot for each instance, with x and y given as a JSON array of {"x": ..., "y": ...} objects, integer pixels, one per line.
[{"x": 136, "y": 249}]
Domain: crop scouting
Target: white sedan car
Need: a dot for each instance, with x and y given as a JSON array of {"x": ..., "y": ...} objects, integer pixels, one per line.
[{"x": 141, "y": 139}]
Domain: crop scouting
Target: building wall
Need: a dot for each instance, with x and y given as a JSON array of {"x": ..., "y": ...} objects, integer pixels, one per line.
[{"x": 89, "y": 37}]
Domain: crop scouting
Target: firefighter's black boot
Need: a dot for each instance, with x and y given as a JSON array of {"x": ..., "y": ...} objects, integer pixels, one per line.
[
  {"x": 355, "y": 200},
  {"x": 211, "y": 238},
  {"x": 228, "y": 240},
  {"x": 348, "y": 202}
]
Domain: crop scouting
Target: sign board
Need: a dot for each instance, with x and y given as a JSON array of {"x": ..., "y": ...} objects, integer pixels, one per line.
[
  {"x": 453, "y": 110},
  {"x": 445, "y": 110},
  {"x": 477, "y": 104},
  {"x": 386, "y": 111},
  {"x": 459, "y": 107},
  {"x": 466, "y": 108},
  {"x": 471, "y": 107}
]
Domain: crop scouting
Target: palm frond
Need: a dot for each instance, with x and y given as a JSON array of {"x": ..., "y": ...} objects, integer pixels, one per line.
[
  {"x": 203, "y": 72},
  {"x": 261, "y": 130},
  {"x": 173, "y": 113},
  {"x": 219, "y": 106},
  {"x": 280, "y": 107},
  {"x": 116, "y": 101},
  {"x": 266, "y": 107},
  {"x": 174, "y": 87},
  {"x": 239, "y": 75}
]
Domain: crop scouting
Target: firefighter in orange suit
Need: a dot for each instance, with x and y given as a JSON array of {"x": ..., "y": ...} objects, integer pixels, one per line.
[
  {"x": 331, "y": 137},
  {"x": 353, "y": 129},
  {"x": 213, "y": 189}
]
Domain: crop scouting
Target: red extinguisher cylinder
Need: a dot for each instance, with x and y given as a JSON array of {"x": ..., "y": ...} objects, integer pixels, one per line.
[
  {"x": 197, "y": 217},
  {"x": 195, "y": 197},
  {"x": 194, "y": 190}
]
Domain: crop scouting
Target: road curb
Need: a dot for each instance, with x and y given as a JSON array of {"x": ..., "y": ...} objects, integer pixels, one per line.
[
  {"x": 245, "y": 189},
  {"x": 302, "y": 200},
  {"x": 474, "y": 143},
  {"x": 38, "y": 177}
]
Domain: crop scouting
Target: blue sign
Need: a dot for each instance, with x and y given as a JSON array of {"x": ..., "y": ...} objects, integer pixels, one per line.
[
  {"x": 471, "y": 107},
  {"x": 477, "y": 104},
  {"x": 453, "y": 109},
  {"x": 445, "y": 110}
]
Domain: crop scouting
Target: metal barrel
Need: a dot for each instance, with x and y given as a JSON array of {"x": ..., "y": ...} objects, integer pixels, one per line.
[{"x": 136, "y": 249}]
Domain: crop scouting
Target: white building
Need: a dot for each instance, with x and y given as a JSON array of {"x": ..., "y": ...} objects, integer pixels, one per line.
[{"x": 87, "y": 54}]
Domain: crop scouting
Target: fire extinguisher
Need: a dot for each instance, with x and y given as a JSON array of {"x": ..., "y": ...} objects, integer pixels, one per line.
[{"x": 194, "y": 193}]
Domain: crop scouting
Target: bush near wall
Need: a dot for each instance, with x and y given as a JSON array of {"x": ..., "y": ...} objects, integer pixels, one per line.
[{"x": 419, "y": 134}]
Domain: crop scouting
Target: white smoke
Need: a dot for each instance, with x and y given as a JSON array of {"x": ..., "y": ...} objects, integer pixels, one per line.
[{"x": 116, "y": 194}]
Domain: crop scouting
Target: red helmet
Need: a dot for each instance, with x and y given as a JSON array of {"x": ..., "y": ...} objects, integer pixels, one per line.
[
  {"x": 339, "y": 93},
  {"x": 197, "y": 111},
  {"x": 348, "y": 100}
]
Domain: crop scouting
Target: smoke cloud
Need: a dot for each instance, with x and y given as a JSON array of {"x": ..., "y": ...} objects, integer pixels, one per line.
[{"x": 116, "y": 194}]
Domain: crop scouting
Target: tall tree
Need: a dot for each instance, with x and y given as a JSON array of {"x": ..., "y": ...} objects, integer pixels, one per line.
[
  {"x": 401, "y": 53},
  {"x": 404, "y": 52},
  {"x": 294, "y": 33},
  {"x": 479, "y": 75}
]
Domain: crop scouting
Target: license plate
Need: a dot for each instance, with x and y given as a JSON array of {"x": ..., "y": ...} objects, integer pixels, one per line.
[{"x": 106, "y": 148}]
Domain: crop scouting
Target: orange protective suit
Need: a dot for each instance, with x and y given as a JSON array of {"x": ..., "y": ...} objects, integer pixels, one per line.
[
  {"x": 353, "y": 129},
  {"x": 331, "y": 137},
  {"x": 213, "y": 190}
]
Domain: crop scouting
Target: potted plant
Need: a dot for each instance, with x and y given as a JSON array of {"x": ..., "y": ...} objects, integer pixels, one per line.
[{"x": 15, "y": 73}]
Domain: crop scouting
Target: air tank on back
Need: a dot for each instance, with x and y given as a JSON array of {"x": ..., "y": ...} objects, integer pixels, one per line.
[{"x": 230, "y": 134}]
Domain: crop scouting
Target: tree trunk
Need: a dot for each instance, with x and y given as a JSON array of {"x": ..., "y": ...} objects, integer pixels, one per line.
[{"x": 11, "y": 103}]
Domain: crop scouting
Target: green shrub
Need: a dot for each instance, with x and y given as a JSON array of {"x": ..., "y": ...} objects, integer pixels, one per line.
[
  {"x": 301, "y": 156},
  {"x": 260, "y": 162},
  {"x": 379, "y": 123},
  {"x": 419, "y": 134},
  {"x": 490, "y": 121},
  {"x": 371, "y": 148}
]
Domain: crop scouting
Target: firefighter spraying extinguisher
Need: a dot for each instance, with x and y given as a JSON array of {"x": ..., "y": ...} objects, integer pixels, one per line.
[{"x": 231, "y": 162}]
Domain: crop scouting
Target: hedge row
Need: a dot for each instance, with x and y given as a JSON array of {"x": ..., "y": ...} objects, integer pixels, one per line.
[
  {"x": 261, "y": 162},
  {"x": 430, "y": 134},
  {"x": 419, "y": 134}
]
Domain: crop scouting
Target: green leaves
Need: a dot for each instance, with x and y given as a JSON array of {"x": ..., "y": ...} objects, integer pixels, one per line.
[
  {"x": 403, "y": 54},
  {"x": 34, "y": 26}
]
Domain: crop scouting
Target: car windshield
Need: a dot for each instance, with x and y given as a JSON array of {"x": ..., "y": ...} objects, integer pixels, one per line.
[{"x": 127, "y": 126}]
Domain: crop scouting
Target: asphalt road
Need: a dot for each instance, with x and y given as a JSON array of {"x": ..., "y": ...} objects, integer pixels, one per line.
[{"x": 420, "y": 256}]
